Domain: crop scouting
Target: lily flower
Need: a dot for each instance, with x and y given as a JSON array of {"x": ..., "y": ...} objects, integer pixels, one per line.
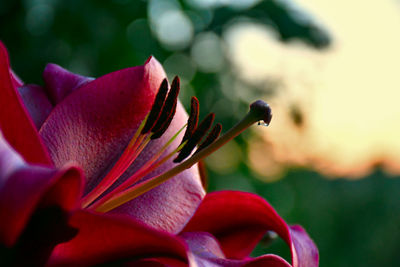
[{"x": 143, "y": 199}]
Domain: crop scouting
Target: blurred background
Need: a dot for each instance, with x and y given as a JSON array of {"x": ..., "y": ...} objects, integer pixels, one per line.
[{"x": 330, "y": 70}]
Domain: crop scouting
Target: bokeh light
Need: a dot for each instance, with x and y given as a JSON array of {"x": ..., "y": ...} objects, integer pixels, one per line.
[
  {"x": 170, "y": 24},
  {"x": 347, "y": 95},
  {"x": 207, "y": 52}
]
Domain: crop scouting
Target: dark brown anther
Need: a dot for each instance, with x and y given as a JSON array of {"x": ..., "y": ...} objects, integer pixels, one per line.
[
  {"x": 165, "y": 126},
  {"x": 156, "y": 108},
  {"x": 196, "y": 137},
  {"x": 214, "y": 134},
  {"x": 193, "y": 119},
  {"x": 168, "y": 109}
]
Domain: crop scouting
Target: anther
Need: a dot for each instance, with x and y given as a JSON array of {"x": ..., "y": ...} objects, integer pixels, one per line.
[
  {"x": 214, "y": 134},
  {"x": 196, "y": 137},
  {"x": 165, "y": 125},
  {"x": 156, "y": 108},
  {"x": 193, "y": 119},
  {"x": 259, "y": 110},
  {"x": 168, "y": 111}
]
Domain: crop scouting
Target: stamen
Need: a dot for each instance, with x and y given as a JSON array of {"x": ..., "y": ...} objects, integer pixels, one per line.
[
  {"x": 137, "y": 133},
  {"x": 133, "y": 179},
  {"x": 214, "y": 134},
  {"x": 158, "y": 120},
  {"x": 135, "y": 153},
  {"x": 166, "y": 124},
  {"x": 148, "y": 167},
  {"x": 168, "y": 110},
  {"x": 193, "y": 118},
  {"x": 196, "y": 137},
  {"x": 157, "y": 106},
  {"x": 259, "y": 110},
  {"x": 118, "y": 168}
]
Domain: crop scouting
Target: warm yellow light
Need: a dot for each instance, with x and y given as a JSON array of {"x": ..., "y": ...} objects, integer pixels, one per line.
[{"x": 349, "y": 95}]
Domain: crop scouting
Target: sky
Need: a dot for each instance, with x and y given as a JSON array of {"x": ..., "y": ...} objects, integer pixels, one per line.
[{"x": 346, "y": 98}]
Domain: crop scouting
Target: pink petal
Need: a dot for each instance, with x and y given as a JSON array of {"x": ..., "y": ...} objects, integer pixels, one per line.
[
  {"x": 15, "y": 122},
  {"x": 60, "y": 82},
  {"x": 207, "y": 253},
  {"x": 230, "y": 216},
  {"x": 106, "y": 238},
  {"x": 306, "y": 251},
  {"x": 36, "y": 102},
  {"x": 95, "y": 123},
  {"x": 23, "y": 188}
]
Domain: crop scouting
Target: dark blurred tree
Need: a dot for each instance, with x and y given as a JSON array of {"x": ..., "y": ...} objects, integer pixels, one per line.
[
  {"x": 96, "y": 37},
  {"x": 95, "y": 32}
]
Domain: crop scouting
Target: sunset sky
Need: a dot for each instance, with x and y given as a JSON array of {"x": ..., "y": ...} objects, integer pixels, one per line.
[{"x": 348, "y": 94}]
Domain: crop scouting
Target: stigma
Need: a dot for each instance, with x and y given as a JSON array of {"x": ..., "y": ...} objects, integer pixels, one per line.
[{"x": 199, "y": 140}]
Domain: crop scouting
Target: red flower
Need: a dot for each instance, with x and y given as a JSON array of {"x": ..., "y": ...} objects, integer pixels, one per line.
[{"x": 124, "y": 144}]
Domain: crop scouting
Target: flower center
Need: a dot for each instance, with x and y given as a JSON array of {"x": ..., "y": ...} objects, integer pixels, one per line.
[{"x": 154, "y": 126}]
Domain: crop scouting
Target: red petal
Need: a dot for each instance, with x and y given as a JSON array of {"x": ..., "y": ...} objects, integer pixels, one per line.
[
  {"x": 95, "y": 123},
  {"x": 23, "y": 188},
  {"x": 104, "y": 238},
  {"x": 15, "y": 122},
  {"x": 206, "y": 252},
  {"x": 238, "y": 220}
]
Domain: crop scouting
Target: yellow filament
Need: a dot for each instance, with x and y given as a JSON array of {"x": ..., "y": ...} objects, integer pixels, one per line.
[{"x": 147, "y": 185}]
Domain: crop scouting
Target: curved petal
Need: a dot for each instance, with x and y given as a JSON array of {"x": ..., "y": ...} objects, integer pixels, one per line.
[
  {"x": 229, "y": 214},
  {"x": 60, "y": 82},
  {"x": 207, "y": 253},
  {"x": 36, "y": 102},
  {"x": 306, "y": 251},
  {"x": 24, "y": 188},
  {"x": 104, "y": 238},
  {"x": 95, "y": 123},
  {"x": 15, "y": 122}
]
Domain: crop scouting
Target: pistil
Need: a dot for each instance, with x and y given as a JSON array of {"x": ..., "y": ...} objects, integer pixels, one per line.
[{"x": 259, "y": 111}]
